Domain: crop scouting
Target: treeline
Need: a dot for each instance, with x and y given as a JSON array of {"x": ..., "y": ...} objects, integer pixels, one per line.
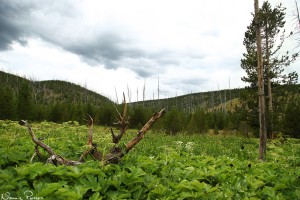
[
  {"x": 216, "y": 111},
  {"x": 55, "y": 101},
  {"x": 241, "y": 119},
  {"x": 190, "y": 102}
]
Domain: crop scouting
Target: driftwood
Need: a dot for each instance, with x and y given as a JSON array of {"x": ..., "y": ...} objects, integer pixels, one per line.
[{"x": 114, "y": 155}]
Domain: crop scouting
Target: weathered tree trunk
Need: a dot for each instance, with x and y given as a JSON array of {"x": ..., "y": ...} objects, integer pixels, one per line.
[
  {"x": 115, "y": 154},
  {"x": 261, "y": 93},
  {"x": 298, "y": 15},
  {"x": 270, "y": 96}
]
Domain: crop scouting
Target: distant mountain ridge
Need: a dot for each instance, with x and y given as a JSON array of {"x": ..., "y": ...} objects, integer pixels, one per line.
[
  {"x": 54, "y": 91},
  {"x": 189, "y": 102},
  {"x": 61, "y": 101},
  {"x": 57, "y": 91}
]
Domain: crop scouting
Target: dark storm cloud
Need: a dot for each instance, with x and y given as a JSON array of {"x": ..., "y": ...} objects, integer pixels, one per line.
[
  {"x": 11, "y": 30},
  {"x": 107, "y": 48},
  {"x": 19, "y": 19},
  {"x": 61, "y": 24}
]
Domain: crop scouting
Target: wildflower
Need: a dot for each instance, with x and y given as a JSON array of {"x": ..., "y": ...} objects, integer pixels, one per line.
[
  {"x": 179, "y": 143},
  {"x": 189, "y": 146}
]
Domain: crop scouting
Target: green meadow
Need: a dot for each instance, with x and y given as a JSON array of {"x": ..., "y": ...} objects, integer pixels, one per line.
[{"x": 161, "y": 166}]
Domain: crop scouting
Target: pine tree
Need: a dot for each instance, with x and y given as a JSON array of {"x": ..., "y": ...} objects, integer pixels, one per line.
[
  {"x": 271, "y": 23},
  {"x": 261, "y": 97},
  {"x": 24, "y": 101},
  {"x": 292, "y": 118},
  {"x": 201, "y": 121},
  {"x": 192, "y": 125},
  {"x": 138, "y": 117},
  {"x": 7, "y": 104},
  {"x": 173, "y": 121}
]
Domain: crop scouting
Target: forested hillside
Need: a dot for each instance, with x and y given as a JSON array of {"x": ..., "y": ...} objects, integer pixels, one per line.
[
  {"x": 223, "y": 99},
  {"x": 223, "y": 111},
  {"x": 52, "y": 100}
]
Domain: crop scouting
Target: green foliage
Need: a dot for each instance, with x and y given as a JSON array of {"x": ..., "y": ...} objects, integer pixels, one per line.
[
  {"x": 7, "y": 103},
  {"x": 272, "y": 22},
  {"x": 56, "y": 101},
  {"x": 138, "y": 117},
  {"x": 173, "y": 121},
  {"x": 161, "y": 167},
  {"x": 198, "y": 122},
  {"x": 107, "y": 115},
  {"x": 60, "y": 101},
  {"x": 274, "y": 60},
  {"x": 292, "y": 118},
  {"x": 24, "y": 101}
]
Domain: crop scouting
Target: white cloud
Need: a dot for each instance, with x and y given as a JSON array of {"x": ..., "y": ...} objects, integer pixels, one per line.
[{"x": 191, "y": 45}]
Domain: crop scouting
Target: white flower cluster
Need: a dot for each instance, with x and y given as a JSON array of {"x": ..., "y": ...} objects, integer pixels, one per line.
[
  {"x": 189, "y": 146},
  {"x": 179, "y": 143}
]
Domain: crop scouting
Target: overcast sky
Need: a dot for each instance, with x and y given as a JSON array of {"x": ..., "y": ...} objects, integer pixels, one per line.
[{"x": 191, "y": 45}]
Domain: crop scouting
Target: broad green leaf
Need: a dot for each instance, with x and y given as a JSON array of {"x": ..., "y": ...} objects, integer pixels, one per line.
[
  {"x": 90, "y": 182},
  {"x": 159, "y": 189},
  {"x": 74, "y": 172},
  {"x": 269, "y": 191},
  {"x": 68, "y": 193},
  {"x": 46, "y": 189},
  {"x": 95, "y": 196}
]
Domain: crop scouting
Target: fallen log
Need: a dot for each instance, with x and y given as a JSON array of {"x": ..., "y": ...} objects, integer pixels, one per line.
[{"x": 115, "y": 153}]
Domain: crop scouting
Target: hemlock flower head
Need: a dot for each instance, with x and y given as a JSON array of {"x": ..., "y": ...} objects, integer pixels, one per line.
[{"x": 189, "y": 146}]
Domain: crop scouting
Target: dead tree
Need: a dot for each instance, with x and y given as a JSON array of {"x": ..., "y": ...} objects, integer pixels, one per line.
[
  {"x": 261, "y": 92},
  {"x": 115, "y": 153}
]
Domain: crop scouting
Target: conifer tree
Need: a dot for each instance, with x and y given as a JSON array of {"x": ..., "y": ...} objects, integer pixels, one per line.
[
  {"x": 271, "y": 23},
  {"x": 7, "y": 103},
  {"x": 24, "y": 101},
  {"x": 173, "y": 121}
]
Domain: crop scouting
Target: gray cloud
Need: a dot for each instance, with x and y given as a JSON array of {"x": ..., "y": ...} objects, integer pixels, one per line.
[
  {"x": 60, "y": 24},
  {"x": 106, "y": 48},
  {"x": 175, "y": 86},
  {"x": 10, "y": 30},
  {"x": 187, "y": 81},
  {"x": 190, "y": 51},
  {"x": 63, "y": 24},
  {"x": 21, "y": 20}
]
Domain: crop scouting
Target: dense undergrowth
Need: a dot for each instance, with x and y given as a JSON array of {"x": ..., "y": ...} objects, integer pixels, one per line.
[{"x": 159, "y": 167}]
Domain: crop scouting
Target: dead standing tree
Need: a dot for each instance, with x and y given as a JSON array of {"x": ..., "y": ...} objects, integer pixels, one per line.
[{"x": 115, "y": 153}]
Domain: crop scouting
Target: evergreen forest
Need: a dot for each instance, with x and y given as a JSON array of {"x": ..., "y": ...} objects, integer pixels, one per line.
[{"x": 216, "y": 112}]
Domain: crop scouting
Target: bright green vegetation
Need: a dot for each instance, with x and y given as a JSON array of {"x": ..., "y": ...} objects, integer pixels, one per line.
[{"x": 159, "y": 167}]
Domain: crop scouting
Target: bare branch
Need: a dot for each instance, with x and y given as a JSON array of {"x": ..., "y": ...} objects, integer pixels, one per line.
[
  {"x": 90, "y": 125},
  {"x": 116, "y": 95},
  {"x": 35, "y": 140},
  {"x": 116, "y": 153},
  {"x": 122, "y": 122},
  {"x": 91, "y": 147},
  {"x": 86, "y": 153},
  {"x": 59, "y": 160},
  {"x": 143, "y": 131},
  {"x": 33, "y": 155},
  {"x": 124, "y": 116},
  {"x": 298, "y": 16},
  {"x": 54, "y": 158}
]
